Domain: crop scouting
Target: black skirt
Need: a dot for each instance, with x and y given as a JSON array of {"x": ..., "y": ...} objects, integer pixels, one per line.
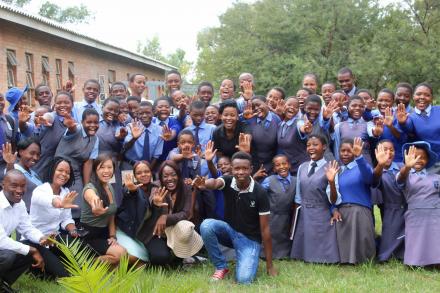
[{"x": 96, "y": 238}]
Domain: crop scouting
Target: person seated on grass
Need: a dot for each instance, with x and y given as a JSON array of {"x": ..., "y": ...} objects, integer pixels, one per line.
[
  {"x": 246, "y": 224},
  {"x": 17, "y": 257}
]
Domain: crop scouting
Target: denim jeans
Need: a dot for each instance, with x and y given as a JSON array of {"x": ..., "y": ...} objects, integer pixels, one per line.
[{"x": 215, "y": 232}]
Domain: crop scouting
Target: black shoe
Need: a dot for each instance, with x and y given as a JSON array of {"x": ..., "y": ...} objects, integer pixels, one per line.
[{"x": 6, "y": 288}]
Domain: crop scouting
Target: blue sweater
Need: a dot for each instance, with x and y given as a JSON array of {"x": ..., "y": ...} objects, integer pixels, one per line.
[{"x": 425, "y": 128}]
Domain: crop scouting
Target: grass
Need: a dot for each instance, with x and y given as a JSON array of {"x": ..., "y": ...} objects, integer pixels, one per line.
[{"x": 294, "y": 276}]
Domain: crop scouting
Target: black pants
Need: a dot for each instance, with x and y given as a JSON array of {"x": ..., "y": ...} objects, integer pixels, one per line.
[
  {"x": 52, "y": 264},
  {"x": 13, "y": 265},
  {"x": 206, "y": 203},
  {"x": 158, "y": 251}
]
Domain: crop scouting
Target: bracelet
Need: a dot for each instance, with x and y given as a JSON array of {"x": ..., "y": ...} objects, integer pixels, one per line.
[{"x": 112, "y": 236}]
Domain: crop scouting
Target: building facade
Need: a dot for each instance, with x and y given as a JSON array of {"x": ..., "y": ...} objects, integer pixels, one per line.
[{"x": 35, "y": 50}]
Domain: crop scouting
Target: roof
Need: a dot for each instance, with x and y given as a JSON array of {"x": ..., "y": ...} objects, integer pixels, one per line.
[{"x": 36, "y": 22}]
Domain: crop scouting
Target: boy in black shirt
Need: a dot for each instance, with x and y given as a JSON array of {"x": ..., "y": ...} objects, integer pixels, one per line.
[{"x": 245, "y": 225}]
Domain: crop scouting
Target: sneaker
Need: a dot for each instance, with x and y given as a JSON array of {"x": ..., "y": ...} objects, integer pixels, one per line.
[{"x": 219, "y": 274}]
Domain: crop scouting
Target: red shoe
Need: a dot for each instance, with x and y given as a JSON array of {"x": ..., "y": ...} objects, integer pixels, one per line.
[{"x": 219, "y": 274}]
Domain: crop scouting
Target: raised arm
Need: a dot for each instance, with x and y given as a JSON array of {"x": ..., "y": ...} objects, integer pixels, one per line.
[{"x": 410, "y": 161}]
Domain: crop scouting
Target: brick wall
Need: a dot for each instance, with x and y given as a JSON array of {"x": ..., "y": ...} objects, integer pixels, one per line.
[{"x": 88, "y": 62}]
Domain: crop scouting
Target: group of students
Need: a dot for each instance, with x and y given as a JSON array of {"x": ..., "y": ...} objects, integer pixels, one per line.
[{"x": 249, "y": 177}]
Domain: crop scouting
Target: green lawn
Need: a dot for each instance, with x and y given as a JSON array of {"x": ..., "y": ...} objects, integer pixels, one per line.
[{"x": 293, "y": 276}]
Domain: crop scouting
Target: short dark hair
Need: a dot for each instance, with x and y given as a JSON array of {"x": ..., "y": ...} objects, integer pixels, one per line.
[
  {"x": 185, "y": 132},
  {"x": 281, "y": 90},
  {"x": 330, "y": 83},
  {"x": 242, "y": 156},
  {"x": 53, "y": 166},
  {"x": 319, "y": 137},
  {"x": 92, "y": 81},
  {"x": 306, "y": 89},
  {"x": 405, "y": 85},
  {"x": 349, "y": 141},
  {"x": 260, "y": 98},
  {"x": 110, "y": 99},
  {"x": 133, "y": 76},
  {"x": 425, "y": 84},
  {"x": 228, "y": 104},
  {"x": 64, "y": 93},
  {"x": 312, "y": 75},
  {"x": 313, "y": 99},
  {"x": 134, "y": 98},
  {"x": 145, "y": 104},
  {"x": 89, "y": 112},
  {"x": 280, "y": 156},
  {"x": 163, "y": 98},
  {"x": 345, "y": 70},
  {"x": 387, "y": 91},
  {"x": 174, "y": 72},
  {"x": 25, "y": 143},
  {"x": 120, "y": 83},
  {"x": 38, "y": 87},
  {"x": 197, "y": 105},
  {"x": 368, "y": 92},
  {"x": 354, "y": 98},
  {"x": 205, "y": 83}
]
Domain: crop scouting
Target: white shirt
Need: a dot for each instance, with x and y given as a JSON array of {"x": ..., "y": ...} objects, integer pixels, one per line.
[
  {"x": 16, "y": 218},
  {"x": 44, "y": 216}
]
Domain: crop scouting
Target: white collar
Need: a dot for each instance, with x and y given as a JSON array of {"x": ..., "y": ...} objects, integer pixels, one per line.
[
  {"x": 249, "y": 189},
  {"x": 4, "y": 203}
]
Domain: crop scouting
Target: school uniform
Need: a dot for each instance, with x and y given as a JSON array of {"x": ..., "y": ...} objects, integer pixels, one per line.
[
  {"x": 340, "y": 116},
  {"x": 355, "y": 233},
  {"x": 349, "y": 130},
  {"x": 281, "y": 193},
  {"x": 173, "y": 124},
  {"x": 109, "y": 144},
  {"x": 320, "y": 127},
  {"x": 292, "y": 144},
  {"x": 264, "y": 140},
  {"x": 32, "y": 182},
  {"x": 49, "y": 138},
  {"x": 393, "y": 223},
  {"x": 422, "y": 229},
  {"x": 79, "y": 107},
  {"x": 8, "y": 133},
  {"x": 202, "y": 135},
  {"x": 314, "y": 238},
  {"x": 78, "y": 147},
  {"x": 151, "y": 137}
]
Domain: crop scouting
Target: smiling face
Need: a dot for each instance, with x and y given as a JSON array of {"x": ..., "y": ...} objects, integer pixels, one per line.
[
  {"x": 346, "y": 81},
  {"x": 91, "y": 91},
  {"x": 327, "y": 91},
  {"x": 384, "y": 101},
  {"x": 273, "y": 97},
  {"x": 169, "y": 178},
  {"x": 310, "y": 83},
  {"x": 138, "y": 85},
  {"x": 133, "y": 108},
  {"x": 226, "y": 89},
  {"x": 356, "y": 108},
  {"x": 205, "y": 94},
  {"x": 241, "y": 170},
  {"x": 224, "y": 165},
  {"x": 212, "y": 115},
  {"x": 143, "y": 174},
  {"x": 162, "y": 110},
  {"x": 29, "y": 156},
  {"x": 260, "y": 108},
  {"x": 229, "y": 118},
  {"x": 14, "y": 186},
  {"x": 110, "y": 111},
  {"x": 281, "y": 166},
  {"x": 422, "y": 161},
  {"x": 145, "y": 115},
  {"x": 173, "y": 82},
  {"x": 61, "y": 174},
  {"x": 315, "y": 149},
  {"x": 291, "y": 108},
  {"x": 403, "y": 95},
  {"x": 63, "y": 105},
  {"x": 43, "y": 95},
  {"x": 346, "y": 154},
  {"x": 301, "y": 95},
  {"x": 91, "y": 124},
  {"x": 197, "y": 116},
  {"x": 104, "y": 171},
  {"x": 340, "y": 98},
  {"x": 178, "y": 98},
  {"x": 313, "y": 109},
  {"x": 422, "y": 97},
  {"x": 185, "y": 143},
  {"x": 389, "y": 150}
]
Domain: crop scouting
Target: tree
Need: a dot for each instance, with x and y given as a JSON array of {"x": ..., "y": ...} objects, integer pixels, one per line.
[
  {"x": 280, "y": 40},
  {"x": 72, "y": 14},
  {"x": 152, "y": 49}
]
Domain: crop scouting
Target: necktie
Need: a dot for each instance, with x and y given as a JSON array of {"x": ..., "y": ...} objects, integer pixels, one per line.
[
  {"x": 285, "y": 183},
  {"x": 89, "y": 106},
  {"x": 312, "y": 170},
  {"x": 161, "y": 123},
  {"x": 185, "y": 169},
  {"x": 146, "y": 149},
  {"x": 283, "y": 129},
  {"x": 196, "y": 135},
  {"x": 424, "y": 113}
]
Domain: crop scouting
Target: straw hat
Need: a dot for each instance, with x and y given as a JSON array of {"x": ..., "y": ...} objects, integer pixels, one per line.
[{"x": 183, "y": 240}]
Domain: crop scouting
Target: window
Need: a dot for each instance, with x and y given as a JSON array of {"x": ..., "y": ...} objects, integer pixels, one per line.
[
  {"x": 59, "y": 74},
  {"x": 30, "y": 70},
  {"x": 111, "y": 77},
  {"x": 11, "y": 61},
  {"x": 101, "y": 80},
  {"x": 71, "y": 71},
  {"x": 45, "y": 70}
]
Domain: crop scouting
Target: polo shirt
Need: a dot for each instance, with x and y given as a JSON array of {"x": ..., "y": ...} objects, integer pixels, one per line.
[{"x": 244, "y": 208}]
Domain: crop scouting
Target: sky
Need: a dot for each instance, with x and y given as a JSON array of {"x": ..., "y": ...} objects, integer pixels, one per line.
[{"x": 124, "y": 23}]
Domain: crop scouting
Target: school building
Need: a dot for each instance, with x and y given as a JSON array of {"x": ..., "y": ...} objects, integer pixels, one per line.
[{"x": 35, "y": 50}]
